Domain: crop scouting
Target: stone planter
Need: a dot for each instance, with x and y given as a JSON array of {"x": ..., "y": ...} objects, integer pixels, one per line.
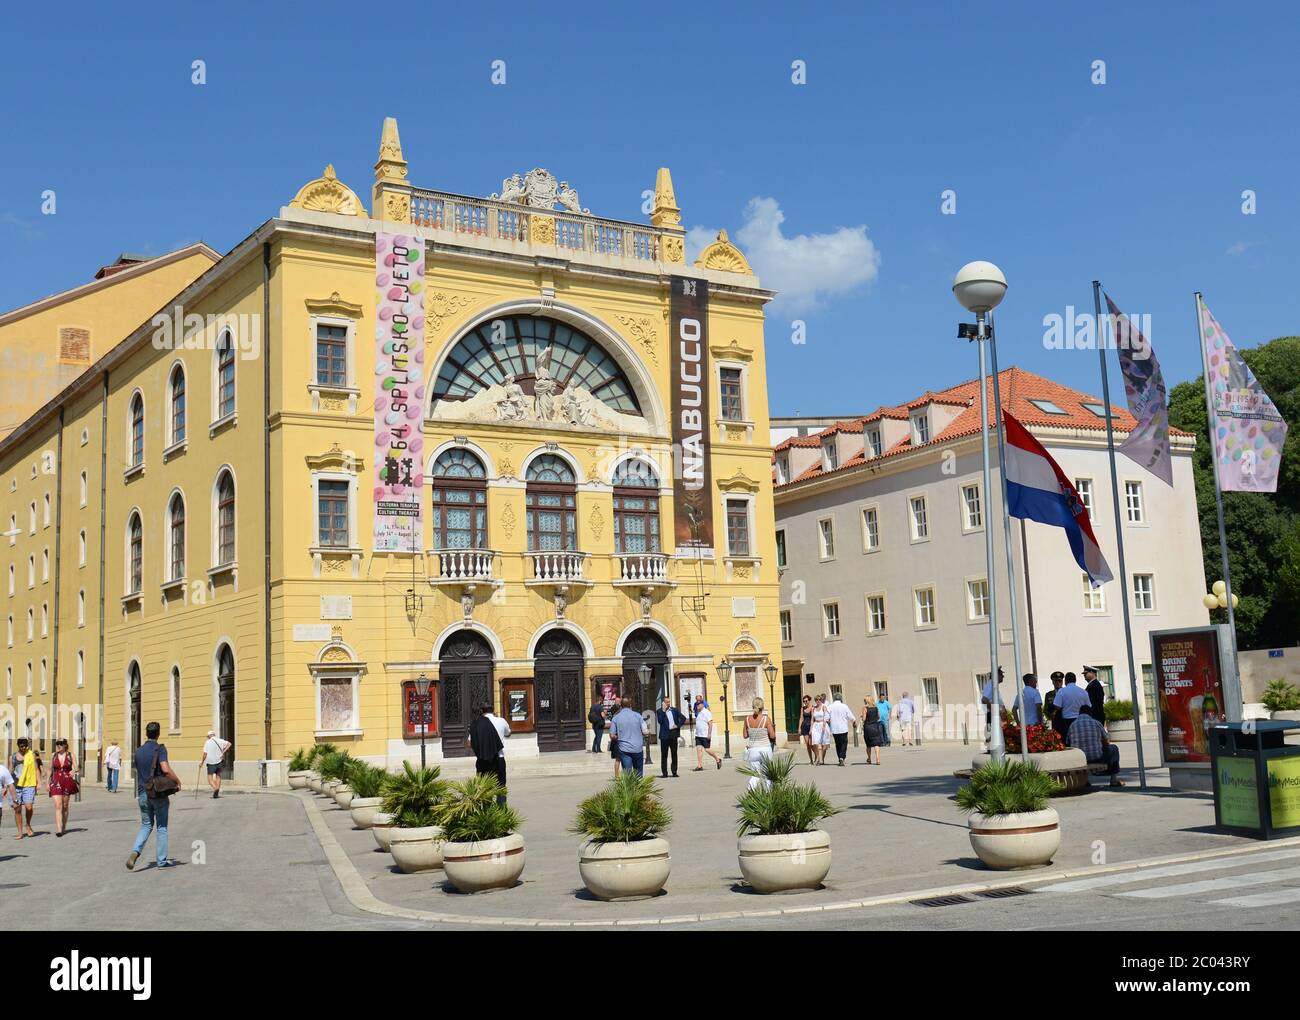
[
  {"x": 1122, "y": 729},
  {"x": 364, "y": 810},
  {"x": 383, "y": 828},
  {"x": 782, "y": 863},
  {"x": 298, "y": 780},
  {"x": 314, "y": 782},
  {"x": 343, "y": 796},
  {"x": 1028, "y": 839},
  {"x": 491, "y": 864},
  {"x": 1068, "y": 767},
  {"x": 624, "y": 871},
  {"x": 327, "y": 788},
  {"x": 416, "y": 850}
]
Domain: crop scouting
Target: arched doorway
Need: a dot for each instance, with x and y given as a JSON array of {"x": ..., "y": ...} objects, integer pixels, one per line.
[
  {"x": 464, "y": 683},
  {"x": 226, "y": 707},
  {"x": 644, "y": 647},
  {"x": 133, "y": 690},
  {"x": 557, "y": 679}
]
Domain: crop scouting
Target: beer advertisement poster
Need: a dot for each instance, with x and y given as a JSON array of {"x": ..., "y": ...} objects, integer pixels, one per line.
[{"x": 1189, "y": 688}]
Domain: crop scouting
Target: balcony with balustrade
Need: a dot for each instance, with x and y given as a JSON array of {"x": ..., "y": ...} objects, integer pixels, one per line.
[
  {"x": 643, "y": 570},
  {"x": 558, "y": 569},
  {"x": 462, "y": 568}
]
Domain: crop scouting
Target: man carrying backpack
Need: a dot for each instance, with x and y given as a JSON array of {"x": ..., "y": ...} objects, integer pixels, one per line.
[
  {"x": 154, "y": 783},
  {"x": 597, "y": 719}
]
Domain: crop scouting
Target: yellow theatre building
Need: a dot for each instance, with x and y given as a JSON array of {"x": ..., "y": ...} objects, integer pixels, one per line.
[{"x": 501, "y": 443}]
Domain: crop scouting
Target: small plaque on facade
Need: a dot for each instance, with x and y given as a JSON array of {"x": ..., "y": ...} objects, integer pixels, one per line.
[
  {"x": 311, "y": 632},
  {"x": 744, "y": 608},
  {"x": 335, "y": 607}
]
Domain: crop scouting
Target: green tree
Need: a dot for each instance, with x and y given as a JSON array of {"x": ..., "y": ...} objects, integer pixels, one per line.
[{"x": 1263, "y": 530}]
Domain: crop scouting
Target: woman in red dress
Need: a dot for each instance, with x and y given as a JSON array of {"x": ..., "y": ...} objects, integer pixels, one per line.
[{"x": 63, "y": 784}]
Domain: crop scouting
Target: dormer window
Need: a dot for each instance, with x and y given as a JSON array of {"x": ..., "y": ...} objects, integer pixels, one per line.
[
  {"x": 920, "y": 429},
  {"x": 1047, "y": 407},
  {"x": 874, "y": 443},
  {"x": 830, "y": 458},
  {"x": 782, "y": 469}
]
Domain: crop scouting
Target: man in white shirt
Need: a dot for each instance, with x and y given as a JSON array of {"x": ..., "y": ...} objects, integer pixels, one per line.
[
  {"x": 113, "y": 763},
  {"x": 1069, "y": 700},
  {"x": 841, "y": 719},
  {"x": 214, "y": 754},
  {"x": 1033, "y": 702},
  {"x": 986, "y": 699},
  {"x": 905, "y": 709},
  {"x": 704, "y": 736}
]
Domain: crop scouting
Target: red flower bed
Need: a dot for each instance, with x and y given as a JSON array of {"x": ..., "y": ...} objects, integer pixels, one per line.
[{"x": 1041, "y": 738}]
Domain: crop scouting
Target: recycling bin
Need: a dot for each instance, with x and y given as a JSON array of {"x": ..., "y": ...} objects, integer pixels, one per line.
[{"x": 1256, "y": 778}]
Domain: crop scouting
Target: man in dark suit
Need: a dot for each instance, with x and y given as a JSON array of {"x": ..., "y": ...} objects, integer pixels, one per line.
[
  {"x": 1096, "y": 694},
  {"x": 670, "y": 721}
]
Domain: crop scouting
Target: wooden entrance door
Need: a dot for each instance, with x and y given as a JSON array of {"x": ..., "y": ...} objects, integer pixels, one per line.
[
  {"x": 226, "y": 708},
  {"x": 792, "y": 689},
  {"x": 558, "y": 670},
  {"x": 646, "y": 648},
  {"x": 465, "y": 682},
  {"x": 135, "y": 710}
]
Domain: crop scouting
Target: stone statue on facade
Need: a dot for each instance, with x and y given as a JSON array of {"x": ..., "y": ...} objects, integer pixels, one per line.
[
  {"x": 568, "y": 199},
  {"x": 513, "y": 404},
  {"x": 512, "y": 189},
  {"x": 545, "y": 386}
]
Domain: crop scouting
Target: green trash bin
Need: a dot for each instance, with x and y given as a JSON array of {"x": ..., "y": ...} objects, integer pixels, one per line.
[{"x": 1256, "y": 778}]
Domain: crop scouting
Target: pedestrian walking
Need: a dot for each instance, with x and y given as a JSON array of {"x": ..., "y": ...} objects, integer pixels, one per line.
[
  {"x": 820, "y": 736},
  {"x": 627, "y": 728},
  {"x": 28, "y": 778},
  {"x": 670, "y": 721},
  {"x": 884, "y": 707},
  {"x": 113, "y": 764},
  {"x": 805, "y": 727},
  {"x": 759, "y": 732},
  {"x": 871, "y": 727},
  {"x": 704, "y": 735},
  {"x": 841, "y": 721},
  {"x": 214, "y": 757},
  {"x": 7, "y": 791},
  {"x": 1070, "y": 700},
  {"x": 155, "y": 782},
  {"x": 63, "y": 785},
  {"x": 905, "y": 709},
  {"x": 597, "y": 719},
  {"x": 487, "y": 739}
]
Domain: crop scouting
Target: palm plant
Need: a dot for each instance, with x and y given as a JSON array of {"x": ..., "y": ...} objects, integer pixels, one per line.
[
  {"x": 300, "y": 761},
  {"x": 1007, "y": 787},
  {"x": 777, "y": 806},
  {"x": 625, "y": 811},
  {"x": 335, "y": 765},
  {"x": 365, "y": 779},
  {"x": 414, "y": 797},
  {"x": 473, "y": 813},
  {"x": 318, "y": 752}
]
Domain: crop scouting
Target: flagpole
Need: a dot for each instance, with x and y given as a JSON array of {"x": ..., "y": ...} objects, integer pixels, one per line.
[
  {"x": 1218, "y": 503},
  {"x": 1119, "y": 535},
  {"x": 997, "y": 747},
  {"x": 1006, "y": 528}
]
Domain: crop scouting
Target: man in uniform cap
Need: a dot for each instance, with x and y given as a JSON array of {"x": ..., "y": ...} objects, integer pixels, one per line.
[
  {"x": 1096, "y": 694},
  {"x": 1049, "y": 709}
]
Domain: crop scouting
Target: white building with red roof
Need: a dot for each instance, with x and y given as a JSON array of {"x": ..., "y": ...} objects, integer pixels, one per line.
[{"x": 881, "y": 552}]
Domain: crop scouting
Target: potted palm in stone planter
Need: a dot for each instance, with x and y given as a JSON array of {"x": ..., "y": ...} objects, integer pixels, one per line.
[
  {"x": 781, "y": 848},
  {"x": 318, "y": 754},
  {"x": 334, "y": 769},
  {"x": 624, "y": 855},
  {"x": 299, "y": 769},
  {"x": 484, "y": 849},
  {"x": 1011, "y": 825},
  {"x": 367, "y": 782},
  {"x": 414, "y": 799}
]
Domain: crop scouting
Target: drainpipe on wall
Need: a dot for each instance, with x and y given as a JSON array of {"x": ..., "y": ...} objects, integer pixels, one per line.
[
  {"x": 103, "y": 524},
  {"x": 266, "y": 488}
]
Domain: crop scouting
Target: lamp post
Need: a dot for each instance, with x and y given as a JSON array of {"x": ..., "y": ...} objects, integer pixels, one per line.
[
  {"x": 979, "y": 288},
  {"x": 422, "y": 693},
  {"x": 644, "y": 673},
  {"x": 724, "y": 674},
  {"x": 770, "y": 670}
]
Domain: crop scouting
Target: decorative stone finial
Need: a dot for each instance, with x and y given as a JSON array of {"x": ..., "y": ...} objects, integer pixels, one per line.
[
  {"x": 328, "y": 194},
  {"x": 391, "y": 195},
  {"x": 723, "y": 255},
  {"x": 665, "y": 213},
  {"x": 391, "y": 165}
]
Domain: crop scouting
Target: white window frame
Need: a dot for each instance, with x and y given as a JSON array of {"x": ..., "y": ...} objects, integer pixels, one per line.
[
  {"x": 876, "y": 448},
  {"x": 134, "y": 467},
  {"x": 972, "y": 616},
  {"x": 81, "y": 548},
  {"x": 872, "y": 629},
  {"x": 45, "y": 511},
  {"x": 929, "y": 707},
  {"x": 81, "y": 668},
  {"x": 175, "y": 690},
  {"x": 839, "y": 621},
  {"x": 1094, "y": 597},
  {"x": 81, "y": 607},
  {"x": 916, "y": 607},
  {"x": 786, "y": 618},
  {"x": 84, "y": 489},
  {"x": 825, "y": 538},
  {"x": 127, "y": 593},
  {"x": 334, "y": 476},
  {"x": 1131, "y": 505},
  {"x": 745, "y": 417},
  {"x": 172, "y": 444},
  {"x": 349, "y": 351},
  {"x": 13, "y": 574},
  {"x": 782, "y": 553},
  {"x": 867, "y": 546},
  {"x": 749, "y": 499},
  {"x": 168, "y": 580},
  {"x": 920, "y": 425},
  {"x": 782, "y": 469},
  {"x": 912, "y": 528},
  {"x": 1087, "y": 496},
  {"x": 1150, "y": 593},
  {"x": 219, "y": 419},
  {"x": 351, "y": 671},
  {"x": 45, "y": 565},
  {"x": 830, "y": 455},
  {"x": 218, "y": 567},
  {"x": 967, "y": 527}
]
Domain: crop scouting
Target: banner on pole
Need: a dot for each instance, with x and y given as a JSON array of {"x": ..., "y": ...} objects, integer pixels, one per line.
[
  {"x": 692, "y": 499},
  {"x": 1148, "y": 402},
  {"x": 1189, "y": 688},
  {"x": 1248, "y": 430},
  {"x": 399, "y": 392}
]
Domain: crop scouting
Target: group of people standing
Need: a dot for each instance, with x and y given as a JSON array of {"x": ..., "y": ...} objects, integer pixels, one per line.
[
  {"x": 629, "y": 733},
  {"x": 822, "y": 724},
  {"x": 21, "y": 778}
]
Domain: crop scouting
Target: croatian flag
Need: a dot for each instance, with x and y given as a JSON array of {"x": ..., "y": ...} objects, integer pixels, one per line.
[{"x": 1038, "y": 490}]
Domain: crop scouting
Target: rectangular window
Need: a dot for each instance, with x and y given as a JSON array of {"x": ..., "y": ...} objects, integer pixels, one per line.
[
  {"x": 782, "y": 469},
  {"x": 332, "y": 514},
  {"x": 977, "y": 599},
  {"x": 331, "y": 355},
  {"x": 780, "y": 548},
  {"x": 81, "y": 549},
  {"x": 46, "y": 511},
  {"x": 972, "y": 513},
  {"x": 1133, "y": 502},
  {"x": 225, "y": 377},
  {"x": 1144, "y": 592},
  {"x": 873, "y": 442},
  {"x": 826, "y": 538},
  {"x": 930, "y": 692},
  {"x": 1149, "y": 690},
  {"x": 81, "y": 669},
  {"x": 738, "y": 527},
  {"x": 636, "y": 520},
  {"x": 920, "y": 521},
  {"x": 920, "y": 429},
  {"x": 1084, "y": 487},
  {"x": 733, "y": 405},
  {"x": 830, "y": 456},
  {"x": 1094, "y": 596},
  {"x": 870, "y": 529},
  {"x": 787, "y": 627},
  {"x": 831, "y": 620},
  {"x": 875, "y": 614},
  {"x": 1106, "y": 675},
  {"x": 84, "y": 488},
  {"x": 924, "y": 607}
]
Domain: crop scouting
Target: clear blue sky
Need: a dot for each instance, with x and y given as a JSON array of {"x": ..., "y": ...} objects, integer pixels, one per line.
[{"x": 1137, "y": 181}]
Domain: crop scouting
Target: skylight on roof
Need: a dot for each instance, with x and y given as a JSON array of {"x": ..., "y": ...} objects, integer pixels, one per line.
[
  {"x": 1098, "y": 409},
  {"x": 1048, "y": 407}
]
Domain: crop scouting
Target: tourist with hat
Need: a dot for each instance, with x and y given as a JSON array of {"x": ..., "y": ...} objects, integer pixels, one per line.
[{"x": 1096, "y": 694}]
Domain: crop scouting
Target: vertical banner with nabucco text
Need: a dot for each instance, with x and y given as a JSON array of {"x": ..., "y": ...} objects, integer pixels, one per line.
[
  {"x": 692, "y": 501},
  {"x": 399, "y": 391}
]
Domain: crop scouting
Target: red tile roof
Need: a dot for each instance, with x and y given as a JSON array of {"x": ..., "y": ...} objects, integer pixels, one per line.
[{"x": 1018, "y": 389}]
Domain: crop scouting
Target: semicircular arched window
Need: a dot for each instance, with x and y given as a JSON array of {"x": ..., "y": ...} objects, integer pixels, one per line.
[
  {"x": 509, "y": 346},
  {"x": 459, "y": 500}
]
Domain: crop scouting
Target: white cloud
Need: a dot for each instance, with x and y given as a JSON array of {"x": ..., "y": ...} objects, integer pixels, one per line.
[
  {"x": 1241, "y": 247},
  {"x": 802, "y": 269}
]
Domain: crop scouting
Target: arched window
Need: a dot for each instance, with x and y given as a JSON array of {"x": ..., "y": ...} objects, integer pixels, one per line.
[
  {"x": 176, "y": 538},
  {"x": 81, "y": 608},
  {"x": 177, "y": 387},
  {"x": 225, "y": 376},
  {"x": 551, "y": 506},
  {"x": 636, "y": 507},
  {"x": 509, "y": 345},
  {"x": 134, "y": 554},
  {"x": 459, "y": 501},
  {"x": 176, "y": 698},
  {"x": 225, "y": 519},
  {"x": 137, "y": 430}
]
